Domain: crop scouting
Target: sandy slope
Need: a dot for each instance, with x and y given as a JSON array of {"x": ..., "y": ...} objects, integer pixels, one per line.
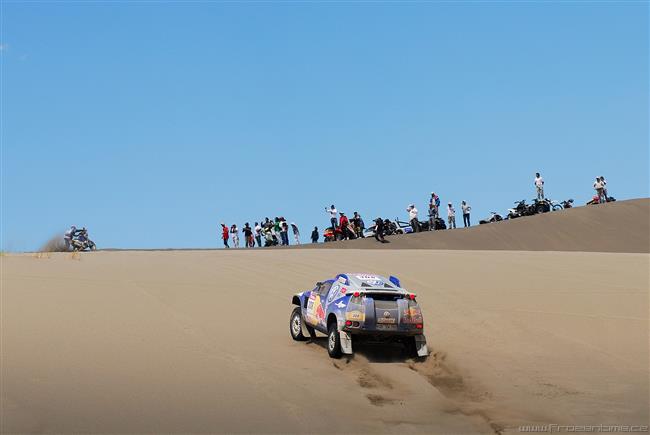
[
  {"x": 622, "y": 226},
  {"x": 198, "y": 341}
]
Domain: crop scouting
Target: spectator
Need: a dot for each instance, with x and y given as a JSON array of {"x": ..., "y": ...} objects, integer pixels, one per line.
[
  {"x": 466, "y": 209},
  {"x": 332, "y": 211},
  {"x": 358, "y": 224},
  {"x": 413, "y": 217},
  {"x": 234, "y": 231},
  {"x": 539, "y": 185},
  {"x": 296, "y": 233},
  {"x": 224, "y": 234},
  {"x": 314, "y": 235},
  {"x": 598, "y": 186},
  {"x": 284, "y": 232},
  {"x": 248, "y": 236},
  {"x": 379, "y": 230},
  {"x": 258, "y": 234},
  {"x": 344, "y": 223},
  {"x": 434, "y": 204},
  {"x": 604, "y": 183},
  {"x": 451, "y": 216}
]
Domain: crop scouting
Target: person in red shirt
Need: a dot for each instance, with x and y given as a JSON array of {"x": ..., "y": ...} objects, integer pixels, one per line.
[
  {"x": 343, "y": 225},
  {"x": 224, "y": 235}
]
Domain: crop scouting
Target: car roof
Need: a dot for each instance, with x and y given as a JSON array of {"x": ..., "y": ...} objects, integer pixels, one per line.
[{"x": 369, "y": 280}]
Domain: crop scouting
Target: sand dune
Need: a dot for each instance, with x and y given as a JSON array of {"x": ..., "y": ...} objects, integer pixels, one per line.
[
  {"x": 198, "y": 341},
  {"x": 622, "y": 226}
]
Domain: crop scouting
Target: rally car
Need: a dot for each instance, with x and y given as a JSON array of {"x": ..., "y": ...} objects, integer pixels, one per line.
[{"x": 356, "y": 307}]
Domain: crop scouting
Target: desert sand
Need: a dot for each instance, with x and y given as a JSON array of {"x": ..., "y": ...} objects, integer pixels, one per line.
[{"x": 198, "y": 341}]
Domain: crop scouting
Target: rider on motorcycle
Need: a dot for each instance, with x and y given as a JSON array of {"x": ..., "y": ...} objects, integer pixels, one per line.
[{"x": 69, "y": 235}]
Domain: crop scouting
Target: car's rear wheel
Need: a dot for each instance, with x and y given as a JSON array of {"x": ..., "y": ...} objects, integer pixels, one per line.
[
  {"x": 333, "y": 341},
  {"x": 410, "y": 348},
  {"x": 295, "y": 324}
]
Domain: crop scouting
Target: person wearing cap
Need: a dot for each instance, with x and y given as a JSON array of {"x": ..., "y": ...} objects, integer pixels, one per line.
[
  {"x": 296, "y": 233},
  {"x": 451, "y": 216},
  {"x": 413, "y": 217}
]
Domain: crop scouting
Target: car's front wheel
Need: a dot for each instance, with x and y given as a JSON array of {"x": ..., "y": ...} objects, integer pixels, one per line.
[
  {"x": 333, "y": 341},
  {"x": 295, "y": 324}
]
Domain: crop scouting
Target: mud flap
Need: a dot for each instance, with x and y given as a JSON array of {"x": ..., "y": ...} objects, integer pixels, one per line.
[
  {"x": 420, "y": 345},
  {"x": 346, "y": 342}
]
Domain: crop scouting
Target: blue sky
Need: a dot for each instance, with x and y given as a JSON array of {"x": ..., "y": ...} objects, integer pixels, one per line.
[{"x": 150, "y": 123}]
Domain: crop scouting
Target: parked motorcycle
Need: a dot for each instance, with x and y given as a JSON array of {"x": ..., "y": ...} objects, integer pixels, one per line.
[
  {"x": 540, "y": 206},
  {"x": 494, "y": 217},
  {"x": 596, "y": 200},
  {"x": 520, "y": 209},
  {"x": 567, "y": 204}
]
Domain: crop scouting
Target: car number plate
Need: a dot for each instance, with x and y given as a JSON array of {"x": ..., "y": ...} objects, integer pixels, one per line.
[
  {"x": 389, "y": 321},
  {"x": 386, "y": 326}
]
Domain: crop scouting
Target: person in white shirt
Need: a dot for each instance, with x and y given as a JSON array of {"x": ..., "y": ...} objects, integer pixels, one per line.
[
  {"x": 234, "y": 231},
  {"x": 333, "y": 216},
  {"x": 539, "y": 185},
  {"x": 258, "y": 234},
  {"x": 466, "y": 209},
  {"x": 451, "y": 216},
  {"x": 413, "y": 217},
  {"x": 599, "y": 187}
]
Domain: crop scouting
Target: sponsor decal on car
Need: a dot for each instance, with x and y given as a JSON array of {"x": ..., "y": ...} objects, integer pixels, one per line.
[
  {"x": 412, "y": 315},
  {"x": 340, "y": 304},
  {"x": 372, "y": 280}
]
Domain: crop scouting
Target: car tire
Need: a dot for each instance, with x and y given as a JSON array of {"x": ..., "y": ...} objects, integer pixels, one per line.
[
  {"x": 295, "y": 325},
  {"x": 333, "y": 341},
  {"x": 410, "y": 348}
]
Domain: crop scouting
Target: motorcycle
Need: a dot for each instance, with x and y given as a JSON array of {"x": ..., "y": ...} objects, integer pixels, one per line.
[
  {"x": 567, "y": 204},
  {"x": 495, "y": 217},
  {"x": 81, "y": 242},
  {"x": 520, "y": 209},
  {"x": 596, "y": 200},
  {"x": 540, "y": 206},
  {"x": 334, "y": 234}
]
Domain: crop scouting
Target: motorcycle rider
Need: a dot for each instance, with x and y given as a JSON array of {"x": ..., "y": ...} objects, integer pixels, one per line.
[
  {"x": 68, "y": 236},
  {"x": 413, "y": 218}
]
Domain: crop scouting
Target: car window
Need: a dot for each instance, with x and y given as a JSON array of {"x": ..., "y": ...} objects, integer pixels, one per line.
[{"x": 324, "y": 288}]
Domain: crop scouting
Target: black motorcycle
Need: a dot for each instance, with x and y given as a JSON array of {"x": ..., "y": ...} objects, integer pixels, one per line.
[
  {"x": 495, "y": 217},
  {"x": 567, "y": 204},
  {"x": 540, "y": 206}
]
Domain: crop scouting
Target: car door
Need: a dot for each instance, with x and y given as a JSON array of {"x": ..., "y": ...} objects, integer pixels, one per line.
[{"x": 316, "y": 306}]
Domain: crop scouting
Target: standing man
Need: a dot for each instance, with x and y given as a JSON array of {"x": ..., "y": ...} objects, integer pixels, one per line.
[
  {"x": 296, "y": 233},
  {"x": 413, "y": 217},
  {"x": 539, "y": 185},
  {"x": 284, "y": 232},
  {"x": 235, "y": 235},
  {"x": 224, "y": 234},
  {"x": 466, "y": 209},
  {"x": 248, "y": 236},
  {"x": 314, "y": 235},
  {"x": 344, "y": 223},
  {"x": 258, "y": 234},
  {"x": 599, "y": 188},
  {"x": 379, "y": 230},
  {"x": 451, "y": 216},
  {"x": 332, "y": 211}
]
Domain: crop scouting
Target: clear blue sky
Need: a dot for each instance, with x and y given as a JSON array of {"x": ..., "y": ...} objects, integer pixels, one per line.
[{"x": 150, "y": 123}]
